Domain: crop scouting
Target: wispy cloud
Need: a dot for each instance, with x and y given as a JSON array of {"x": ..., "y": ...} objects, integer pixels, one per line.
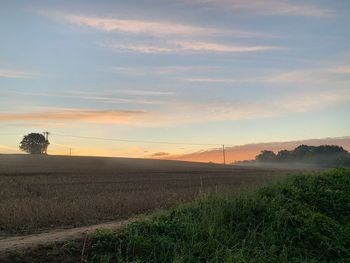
[
  {"x": 156, "y": 28},
  {"x": 327, "y": 75},
  {"x": 106, "y": 116},
  {"x": 269, "y": 7},
  {"x": 249, "y": 151},
  {"x": 9, "y": 73},
  {"x": 341, "y": 70},
  {"x": 207, "y": 46},
  {"x": 123, "y": 91},
  {"x": 163, "y": 37},
  {"x": 160, "y": 70},
  {"x": 179, "y": 46},
  {"x": 226, "y": 110},
  {"x": 108, "y": 98},
  {"x": 160, "y": 154},
  {"x": 176, "y": 112},
  {"x": 146, "y": 92},
  {"x": 220, "y": 80},
  {"x": 41, "y": 125}
]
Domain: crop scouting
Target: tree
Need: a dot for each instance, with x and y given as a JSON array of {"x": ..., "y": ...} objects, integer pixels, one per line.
[
  {"x": 283, "y": 156},
  {"x": 266, "y": 156},
  {"x": 34, "y": 143},
  {"x": 323, "y": 156}
]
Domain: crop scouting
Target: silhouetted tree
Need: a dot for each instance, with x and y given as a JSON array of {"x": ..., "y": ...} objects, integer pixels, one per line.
[
  {"x": 283, "y": 155},
  {"x": 34, "y": 143},
  {"x": 266, "y": 156},
  {"x": 324, "y": 155}
]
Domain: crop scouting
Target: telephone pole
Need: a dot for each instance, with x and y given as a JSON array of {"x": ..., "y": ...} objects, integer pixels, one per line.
[
  {"x": 223, "y": 153},
  {"x": 46, "y": 135}
]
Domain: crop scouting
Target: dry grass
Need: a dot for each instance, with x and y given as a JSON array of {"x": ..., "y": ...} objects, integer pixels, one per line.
[{"x": 41, "y": 192}]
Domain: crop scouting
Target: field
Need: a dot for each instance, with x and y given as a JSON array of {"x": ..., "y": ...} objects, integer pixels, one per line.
[
  {"x": 43, "y": 192},
  {"x": 296, "y": 218},
  {"x": 300, "y": 218}
]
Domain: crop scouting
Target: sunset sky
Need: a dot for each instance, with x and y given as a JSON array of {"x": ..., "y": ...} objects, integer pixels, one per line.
[{"x": 202, "y": 72}]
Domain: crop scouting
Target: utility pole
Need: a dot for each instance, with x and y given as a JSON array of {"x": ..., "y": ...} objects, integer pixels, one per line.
[
  {"x": 70, "y": 151},
  {"x": 223, "y": 153},
  {"x": 46, "y": 135}
]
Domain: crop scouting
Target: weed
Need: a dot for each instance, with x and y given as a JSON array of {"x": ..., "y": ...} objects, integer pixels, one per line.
[{"x": 300, "y": 218}]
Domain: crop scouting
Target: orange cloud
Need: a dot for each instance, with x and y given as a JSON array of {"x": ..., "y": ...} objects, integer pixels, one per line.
[
  {"x": 249, "y": 151},
  {"x": 41, "y": 125},
  {"x": 107, "y": 116},
  {"x": 160, "y": 154}
]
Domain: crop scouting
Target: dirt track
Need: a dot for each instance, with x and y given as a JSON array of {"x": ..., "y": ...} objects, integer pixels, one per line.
[{"x": 31, "y": 241}]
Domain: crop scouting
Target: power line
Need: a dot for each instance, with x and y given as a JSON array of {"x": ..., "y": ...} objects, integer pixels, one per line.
[{"x": 137, "y": 141}]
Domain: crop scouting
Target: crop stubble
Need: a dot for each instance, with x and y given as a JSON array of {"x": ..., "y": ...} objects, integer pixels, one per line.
[{"x": 42, "y": 192}]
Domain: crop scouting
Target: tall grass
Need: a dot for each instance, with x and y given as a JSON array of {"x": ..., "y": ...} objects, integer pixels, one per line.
[{"x": 300, "y": 218}]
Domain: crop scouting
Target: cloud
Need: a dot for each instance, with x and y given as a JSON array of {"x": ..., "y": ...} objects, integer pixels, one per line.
[
  {"x": 269, "y": 7},
  {"x": 128, "y": 92},
  {"x": 298, "y": 76},
  {"x": 180, "y": 47},
  {"x": 9, "y": 73},
  {"x": 156, "y": 70},
  {"x": 291, "y": 77},
  {"x": 341, "y": 70},
  {"x": 91, "y": 95},
  {"x": 160, "y": 154},
  {"x": 326, "y": 74},
  {"x": 146, "y": 92},
  {"x": 176, "y": 112},
  {"x": 206, "y": 46},
  {"x": 249, "y": 151},
  {"x": 107, "y": 116},
  {"x": 230, "y": 110},
  {"x": 41, "y": 125},
  {"x": 166, "y": 37},
  {"x": 155, "y": 28},
  {"x": 217, "y": 80}
]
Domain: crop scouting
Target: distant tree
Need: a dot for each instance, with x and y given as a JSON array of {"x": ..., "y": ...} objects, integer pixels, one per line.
[
  {"x": 324, "y": 155},
  {"x": 283, "y": 156},
  {"x": 301, "y": 153},
  {"x": 34, "y": 143},
  {"x": 266, "y": 156}
]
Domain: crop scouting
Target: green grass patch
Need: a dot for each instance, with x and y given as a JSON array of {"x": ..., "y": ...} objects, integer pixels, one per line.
[{"x": 300, "y": 218}]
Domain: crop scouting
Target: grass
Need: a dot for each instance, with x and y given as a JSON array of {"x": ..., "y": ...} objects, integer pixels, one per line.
[
  {"x": 300, "y": 218},
  {"x": 42, "y": 192}
]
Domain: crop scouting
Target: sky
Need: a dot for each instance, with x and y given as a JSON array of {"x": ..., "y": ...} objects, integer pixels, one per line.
[{"x": 152, "y": 74}]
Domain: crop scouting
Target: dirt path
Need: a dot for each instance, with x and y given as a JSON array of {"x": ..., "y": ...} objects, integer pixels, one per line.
[{"x": 29, "y": 241}]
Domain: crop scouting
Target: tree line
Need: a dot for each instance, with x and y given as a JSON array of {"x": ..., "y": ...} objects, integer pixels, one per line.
[{"x": 324, "y": 155}]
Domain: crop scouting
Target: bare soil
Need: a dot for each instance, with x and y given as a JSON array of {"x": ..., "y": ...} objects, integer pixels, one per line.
[
  {"x": 42, "y": 196},
  {"x": 20, "y": 243}
]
